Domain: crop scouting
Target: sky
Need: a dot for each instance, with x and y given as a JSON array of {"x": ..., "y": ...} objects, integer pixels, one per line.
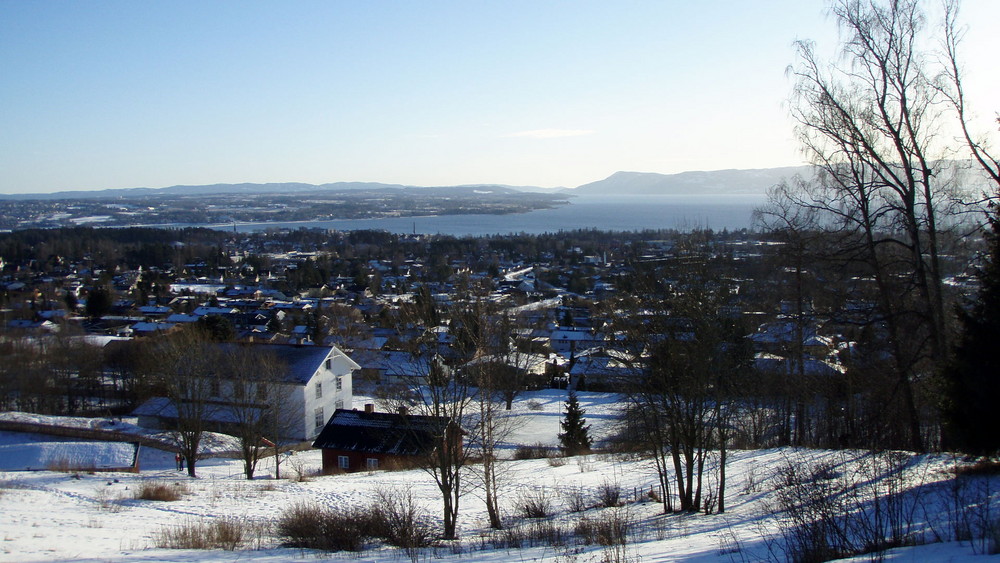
[{"x": 108, "y": 94}]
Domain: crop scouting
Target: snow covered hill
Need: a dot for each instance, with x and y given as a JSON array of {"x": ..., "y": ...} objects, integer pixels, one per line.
[{"x": 67, "y": 516}]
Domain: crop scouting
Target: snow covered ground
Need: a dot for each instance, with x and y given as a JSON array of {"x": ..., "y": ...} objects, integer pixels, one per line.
[{"x": 65, "y": 516}]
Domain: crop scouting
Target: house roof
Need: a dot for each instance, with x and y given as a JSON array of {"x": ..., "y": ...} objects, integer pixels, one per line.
[
  {"x": 379, "y": 432},
  {"x": 303, "y": 361},
  {"x": 211, "y": 411}
]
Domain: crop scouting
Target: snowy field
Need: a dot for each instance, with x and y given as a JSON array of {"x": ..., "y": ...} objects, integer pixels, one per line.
[{"x": 94, "y": 517}]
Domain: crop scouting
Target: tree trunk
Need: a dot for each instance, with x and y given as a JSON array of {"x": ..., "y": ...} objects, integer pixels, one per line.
[{"x": 722, "y": 475}]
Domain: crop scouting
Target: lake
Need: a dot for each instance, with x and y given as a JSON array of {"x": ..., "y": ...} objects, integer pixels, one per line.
[{"x": 606, "y": 213}]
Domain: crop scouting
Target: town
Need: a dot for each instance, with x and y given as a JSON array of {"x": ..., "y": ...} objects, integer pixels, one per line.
[
  {"x": 583, "y": 310},
  {"x": 227, "y": 204}
]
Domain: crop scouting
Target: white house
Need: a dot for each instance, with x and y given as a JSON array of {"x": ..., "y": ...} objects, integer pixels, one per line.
[{"x": 316, "y": 381}]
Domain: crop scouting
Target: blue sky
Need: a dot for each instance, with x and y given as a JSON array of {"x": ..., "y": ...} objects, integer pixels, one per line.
[{"x": 106, "y": 94}]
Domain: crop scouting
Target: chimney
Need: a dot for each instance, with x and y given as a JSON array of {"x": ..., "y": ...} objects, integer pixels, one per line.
[{"x": 369, "y": 408}]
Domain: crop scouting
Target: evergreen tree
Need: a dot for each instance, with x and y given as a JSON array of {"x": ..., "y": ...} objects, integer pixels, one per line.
[
  {"x": 575, "y": 438},
  {"x": 972, "y": 377},
  {"x": 99, "y": 301}
]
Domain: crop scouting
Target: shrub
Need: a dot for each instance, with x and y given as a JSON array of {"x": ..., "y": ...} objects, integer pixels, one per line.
[
  {"x": 576, "y": 501},
  {"x": 165, "y": 492},
  {"x": 609, "y": 529},
  {"x": 545, "y": 533},
  {"x": 396, "y": 518},
  {"x": 64, "y": 465},
  {"x": 222, "y": 533},
  {"x": 537, "y": 533},
  {"x": 314, "y": 527},
  {"x": 609, "y": 495},
  {"x": 994, "y": 538},
  {"x": 392, "y": 517},
  {"x": 557, "y": 461},
  {"x": 533, "y": 451},
  {"x": 867, "y": 507},
  {"x": 981, "y": 467},
  {"x": 535, "y": 503}
]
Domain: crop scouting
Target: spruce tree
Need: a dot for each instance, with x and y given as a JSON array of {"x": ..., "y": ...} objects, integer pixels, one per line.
[
  {"x": 575, "y": 438},
  {"x": 972, "y": 376}
]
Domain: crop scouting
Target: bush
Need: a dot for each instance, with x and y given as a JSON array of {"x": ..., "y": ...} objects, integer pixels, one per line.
[
  {"x": 981, "y": 467},
  {"x": 63, "y": 465},
  {"x": 994, "y": 539},
  {"x": 867, "y": 507},
  {"x": 165, "y": 492},
  {"x": 223, "y": 533},
  {"x": 535, "y": 503},
  {"x": 396, "y": 518},
  {"x": 533, "y": 451},
  {"x": 609, "y": 529},
  {"x": 576, "y": 501},
  {"x": 609, "y": 495},
  {"x": 392, "y": 517},
  {"x": 314, "y": 527},
  {"x": 538, "y": 533}
]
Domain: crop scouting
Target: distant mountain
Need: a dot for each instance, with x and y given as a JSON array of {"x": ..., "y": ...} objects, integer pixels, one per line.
[
  {"x": 719, "y": 182},
  {"x": 271, "y": 188}
]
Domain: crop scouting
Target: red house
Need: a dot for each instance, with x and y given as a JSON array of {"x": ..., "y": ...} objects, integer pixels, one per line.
[{"x": 355, "y": 440}]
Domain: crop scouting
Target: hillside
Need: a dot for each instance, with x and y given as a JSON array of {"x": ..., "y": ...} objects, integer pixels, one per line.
[
  {"x": 285, "y": 188},
  {"x": 717, "y": 182},
  {"x": 64, "y": 516}
]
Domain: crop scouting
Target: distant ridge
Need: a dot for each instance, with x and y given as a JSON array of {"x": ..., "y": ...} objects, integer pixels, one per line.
[
  {"x": 250, "y": 188},
  {"x": 720, "y": 182}
]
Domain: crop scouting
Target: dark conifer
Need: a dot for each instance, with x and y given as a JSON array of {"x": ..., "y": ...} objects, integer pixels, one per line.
[
  {"x": 575, "y": 438},
  {"x": 972, "y": 377}
]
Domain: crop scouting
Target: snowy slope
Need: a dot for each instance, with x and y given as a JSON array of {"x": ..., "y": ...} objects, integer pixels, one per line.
[{"x": 51, "y": 516}]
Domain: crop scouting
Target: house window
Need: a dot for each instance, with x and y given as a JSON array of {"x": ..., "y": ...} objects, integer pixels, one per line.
[
  {"x": 261, "y": 393},
  {"x": 319, "y": 389},
  {"x": 340, "y": 383},
  {"x": 343, "y": 462},
  {"x": 319, "y": 417},
  {"x": 339, "y": 404},
  {"x": 214, "y": 389},
  {"x": 329, "y": 363},
  {"x": 372, "y": 463}
]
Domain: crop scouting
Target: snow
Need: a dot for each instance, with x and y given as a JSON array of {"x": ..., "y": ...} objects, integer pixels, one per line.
[
  {"x": 49, "y": 454},
  {"x": 94, "y": 517}
]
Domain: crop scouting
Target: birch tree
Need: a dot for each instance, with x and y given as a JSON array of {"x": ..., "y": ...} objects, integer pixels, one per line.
[{"x": 870, "y": 123}]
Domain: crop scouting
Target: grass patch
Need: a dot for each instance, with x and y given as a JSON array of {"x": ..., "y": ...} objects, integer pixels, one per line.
[
  {"x": 221, "y": 533},
  {"x": 158, "y": 491},
  {"x": 64, "y": 465}
]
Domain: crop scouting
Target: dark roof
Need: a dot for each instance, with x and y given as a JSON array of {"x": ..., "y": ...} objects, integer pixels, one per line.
[
  {"x": 302, "y": 361},
  {"x": 380, "y": 432}
]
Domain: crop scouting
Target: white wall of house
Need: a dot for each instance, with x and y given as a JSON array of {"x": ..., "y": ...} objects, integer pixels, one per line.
[{"x": 329, "y": 389}]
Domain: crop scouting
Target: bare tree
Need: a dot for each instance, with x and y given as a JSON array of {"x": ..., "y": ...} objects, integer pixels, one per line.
[
  {"x": 870, "y": 126},
  {"x": 185, "y": 368},
  {"x": 491, "y": 427},
  {"x": 950, "y": 85},
  {"x": 436, "y": 391},
  {"x": 257, "y": 407},
  {"x": 682, "y": 397}
]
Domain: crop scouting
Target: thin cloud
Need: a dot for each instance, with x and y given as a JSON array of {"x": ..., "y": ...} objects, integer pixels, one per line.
[{"x": 551, "y": 133}]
